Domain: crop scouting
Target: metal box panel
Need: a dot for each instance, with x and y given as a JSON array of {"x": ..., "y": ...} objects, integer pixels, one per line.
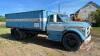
[{"x": 32, "y": 20}]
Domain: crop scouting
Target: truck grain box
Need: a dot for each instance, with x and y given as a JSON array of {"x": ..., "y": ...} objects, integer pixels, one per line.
[
  {"x": 29, "y": 20},
  {"x": 58, "y": 27}
]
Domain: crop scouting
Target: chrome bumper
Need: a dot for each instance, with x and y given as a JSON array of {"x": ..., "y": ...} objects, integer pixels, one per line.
[
  {"x": 87, "y": 44},
  {"x": 88, "y": 39}
]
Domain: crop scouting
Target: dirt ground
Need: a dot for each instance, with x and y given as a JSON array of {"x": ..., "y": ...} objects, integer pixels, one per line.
[{"x": 40, "y": 46}]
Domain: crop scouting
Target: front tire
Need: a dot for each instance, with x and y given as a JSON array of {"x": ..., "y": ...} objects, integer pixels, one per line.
[{"x": 71, "y": 42}]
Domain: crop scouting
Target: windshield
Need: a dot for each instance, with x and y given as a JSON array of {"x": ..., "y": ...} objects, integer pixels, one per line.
[{"x": 64, "y": 18}]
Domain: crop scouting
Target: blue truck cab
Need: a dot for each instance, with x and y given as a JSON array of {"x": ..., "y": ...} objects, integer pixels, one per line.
[{"x": 58, "y": 27}]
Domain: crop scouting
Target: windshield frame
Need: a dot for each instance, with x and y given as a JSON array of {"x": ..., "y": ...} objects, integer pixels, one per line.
[{"x": 64, "y": 18}]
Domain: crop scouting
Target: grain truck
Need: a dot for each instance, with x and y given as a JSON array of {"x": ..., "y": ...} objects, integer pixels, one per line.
[{"x": 58, "y": 27}]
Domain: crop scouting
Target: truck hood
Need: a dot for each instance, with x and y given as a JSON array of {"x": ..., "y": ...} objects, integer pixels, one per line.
[{"x": 79, "y": 24}]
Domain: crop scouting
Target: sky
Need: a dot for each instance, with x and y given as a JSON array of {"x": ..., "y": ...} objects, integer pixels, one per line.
[{"x": 67, "y": 6}]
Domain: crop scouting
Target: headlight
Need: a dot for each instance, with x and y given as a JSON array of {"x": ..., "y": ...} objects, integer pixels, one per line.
[{"x": 82, "y": 29}]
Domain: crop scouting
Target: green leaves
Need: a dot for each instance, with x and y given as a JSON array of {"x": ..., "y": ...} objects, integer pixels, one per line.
[
  {"x": 96, "y": 17},
  {"x": 2, "y": 18}
]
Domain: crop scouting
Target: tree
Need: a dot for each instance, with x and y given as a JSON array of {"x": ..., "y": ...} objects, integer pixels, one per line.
[
  {"x": 96, "y": 17},
  {"x": 2, "y": 18}
]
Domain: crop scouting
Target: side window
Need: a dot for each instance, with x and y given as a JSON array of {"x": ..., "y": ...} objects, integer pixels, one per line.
[
  {"x": 54, "y": 18},
  {"x": 58, "y": 19},
  {"x": 50, "y": 18}
]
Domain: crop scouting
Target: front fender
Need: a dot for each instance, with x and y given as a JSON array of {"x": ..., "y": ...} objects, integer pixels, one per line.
[{"x": 76, "y": 31}]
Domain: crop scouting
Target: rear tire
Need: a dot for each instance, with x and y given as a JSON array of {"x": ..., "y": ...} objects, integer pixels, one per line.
[
  {"x": 32, "y": 34},
  {"x": 18, "y": 34},
  {"x": 71, "y": 42}
]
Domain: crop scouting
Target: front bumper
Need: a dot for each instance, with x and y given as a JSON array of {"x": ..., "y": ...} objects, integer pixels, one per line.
[
  {"x": 88, "y": 39},
  {"x": 87, "y": 44}
]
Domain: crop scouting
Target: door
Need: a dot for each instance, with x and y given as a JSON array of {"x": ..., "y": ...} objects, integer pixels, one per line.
[
  {"x": 54, "y": 28},
  {"x": 54, "y": 23}
]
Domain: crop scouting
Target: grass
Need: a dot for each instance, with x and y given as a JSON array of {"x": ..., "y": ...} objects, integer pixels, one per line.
[
  {"x": 20, "y": 48},
  {"x": 4, "y": 30},
  {"x": 95, "y": 31},
  {"x": 2, "y": 27},
  {"x": 96, "y": 28},
  {"x": 4, "y": 39}
]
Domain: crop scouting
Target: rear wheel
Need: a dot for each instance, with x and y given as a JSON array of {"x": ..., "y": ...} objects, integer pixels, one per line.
[
  {"x": 71, "y": 42},
  {"x": 17, "y": 34},
  {"x": 32, "y": 34}
]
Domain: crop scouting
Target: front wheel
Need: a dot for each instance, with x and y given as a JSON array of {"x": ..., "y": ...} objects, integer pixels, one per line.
[{"x": 71, "y": 42}]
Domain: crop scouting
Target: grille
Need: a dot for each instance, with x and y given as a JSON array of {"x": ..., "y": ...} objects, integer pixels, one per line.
[{"x": 88, "y": 31}]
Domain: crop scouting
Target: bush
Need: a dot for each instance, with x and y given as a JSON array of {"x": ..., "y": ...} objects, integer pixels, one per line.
[
  {"x": 2, "y": 18},
  {"x": 96, "y": 17}
]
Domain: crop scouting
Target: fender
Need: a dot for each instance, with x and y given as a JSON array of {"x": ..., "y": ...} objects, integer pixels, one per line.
[{"x": 76, "y": 31}]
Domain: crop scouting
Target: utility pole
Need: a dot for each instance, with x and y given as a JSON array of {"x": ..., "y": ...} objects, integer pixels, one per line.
[{"x": 59, "y": 8}]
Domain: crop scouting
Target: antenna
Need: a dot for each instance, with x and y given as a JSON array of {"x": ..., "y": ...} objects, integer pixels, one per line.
[{"x": 59, "y": 8}]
